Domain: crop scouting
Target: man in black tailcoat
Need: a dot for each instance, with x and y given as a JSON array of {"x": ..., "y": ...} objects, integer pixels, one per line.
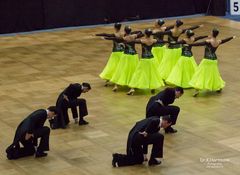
[
  {"x": 145, "y": 132},
  {"x": 28, "y": 132},
  {"x": 159, "y": 105},
  {"x": 69, "y": 99}
]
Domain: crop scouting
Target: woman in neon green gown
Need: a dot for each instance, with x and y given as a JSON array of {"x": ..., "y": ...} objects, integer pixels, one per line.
[
  {"x": 129, "y": 60},
  {"x": 186, "y": 66},
  {"x": 159, "y": 47},
  {"x": 146, "y": 75},
  {"x": 173, "y": 51},
  {"x": 207, "y": 76},
  {"x": 117, "y": 52}
]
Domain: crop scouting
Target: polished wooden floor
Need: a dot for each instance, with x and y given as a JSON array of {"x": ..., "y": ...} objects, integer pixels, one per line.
[{"x": 34, "y": 68}]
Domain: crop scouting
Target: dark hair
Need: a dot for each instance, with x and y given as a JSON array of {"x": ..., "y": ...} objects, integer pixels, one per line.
[
  {"x": 160, "y": 22},
  {"x": 127, "y": 29},
  {"x": 86, "y": 85},
  {"x": 179, "y": 23},
  {"x": 148, "y": 32},
  {"x": 180, "y": 89},
  {"x": 215, "y": 32},
  {"x": 189, "y": 33},
  {"x": 117, "y": 26},
  {"x": 167, "y": 118},
  {"x": 52, "y": 109}
]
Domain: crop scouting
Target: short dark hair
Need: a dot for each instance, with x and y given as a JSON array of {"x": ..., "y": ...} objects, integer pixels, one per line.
[
  {"x": 167, "y": 118},
  {"x": 52, "y": 109},
  {"x": 180, "y": 89},
  {"x": 148, "y": 32},
  {"x": 215, "y": 32},
  {"x": 160, "y": 22},
  {"x": 87, "y": 85},
  {"x": 127, "y": 29},
  {"x": 179, "y": 23},
  {"x": 117, "y": 26},
  {"x": 189, "y": 33}
]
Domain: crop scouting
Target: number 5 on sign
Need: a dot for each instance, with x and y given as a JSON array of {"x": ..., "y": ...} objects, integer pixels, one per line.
[{"x": 235, "y": 7}]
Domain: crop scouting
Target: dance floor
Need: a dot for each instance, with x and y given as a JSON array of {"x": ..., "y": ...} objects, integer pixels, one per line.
[{"x": 36, "y": 67}]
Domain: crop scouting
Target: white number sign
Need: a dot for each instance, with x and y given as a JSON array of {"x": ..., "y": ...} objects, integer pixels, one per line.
[{"x": 235, "y": 7}]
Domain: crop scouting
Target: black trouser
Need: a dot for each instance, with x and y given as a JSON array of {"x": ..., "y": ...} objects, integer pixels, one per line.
[
  {"x": 136, "y": 156},
  {"x": 27, "y": 149},
  {"x": 62, "y": 107},
  {"x": 42, "y": 133},
  {"x": 81, "y": 103},
  {"x": 28, "y": 145},
  {"x": 14, "y": 151},
  {"x": 158, "y": 110}
]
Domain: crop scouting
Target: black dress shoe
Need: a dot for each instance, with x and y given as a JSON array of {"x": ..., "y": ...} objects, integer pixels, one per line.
[
  {"x": 152, "y": 162},
  {"x": 114, "y": 160},
  {"x": 83, "y": 122},
  {"x": 170, "y": 130},
  {"x": 40, "y": 154}
]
